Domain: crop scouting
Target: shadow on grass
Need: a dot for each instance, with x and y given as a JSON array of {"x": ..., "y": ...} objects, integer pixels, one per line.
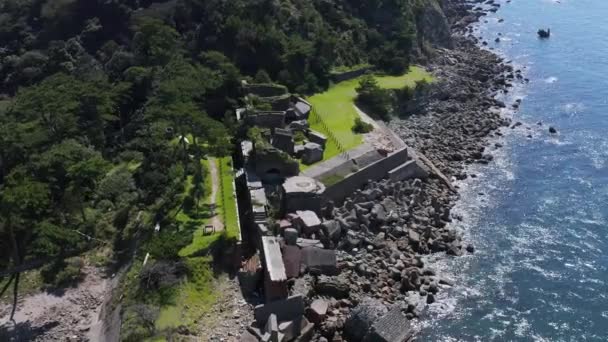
[{"x": 205, "y": 211}]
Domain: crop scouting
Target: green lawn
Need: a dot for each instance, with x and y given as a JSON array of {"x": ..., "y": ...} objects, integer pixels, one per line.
[
  {"x": 225, "y": 207},
  {"x": 335, "y": 107},
  {"x": 193, "y": 298},
  {"x": 227, "y": 200}
]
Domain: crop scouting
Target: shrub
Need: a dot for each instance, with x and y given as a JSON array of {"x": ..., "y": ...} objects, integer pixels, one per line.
[
  {"x": 262, "y": 77},
  {"x": 362, "y": 127},
  {"x": 299, "y": 137},
  {"x": 63, "y": 273},
  {"x": 167, "y": 244},
  {"x": 373, "y": 98}
]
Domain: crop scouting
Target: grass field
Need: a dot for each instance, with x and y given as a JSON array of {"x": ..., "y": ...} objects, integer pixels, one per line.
[
  {"x": 196, "y": 295},
  {"x": 225, "y": 208},
  {"x": 192, "y": 298},
  {"x": 227, "y": 200},
  {"x": 335, "y": 107}
]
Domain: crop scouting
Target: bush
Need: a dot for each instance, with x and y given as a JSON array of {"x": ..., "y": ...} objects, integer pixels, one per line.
[
  {"x": 63, "y": 273},
  {"x": 299, "y": 137},
  {"x": 139, "y": 322},
  {"x": 362, "y": 127},
  {"x": 262, "y": 77},
  {"x": 167, "y": 244},
  {"x": 159, "y": 274},
  {"x": 373, "y": 98}
]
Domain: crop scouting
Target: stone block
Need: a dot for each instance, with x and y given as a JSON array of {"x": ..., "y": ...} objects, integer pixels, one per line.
[
  {"x": 292, "y": 258},
  {"x": 317, "y": 138},
  {"x": 308, "y": 222},
  {"x": 290, "y": 235},
  {"x": 362, "y": 319},
  {"x": 246, "y": 336},
  {"x": 283, "y": 140},
  {"x": 307, "y": 333},
  {"x": 332, "y": 229},
  {"x": 319, "y": 261},
  {"x": 303, "y": 243},
  {"x": 312, "y": 153},
  {"x": 409, "y": 170},
  {"x": 318, "y": 311},
  {"x": 332, "y": 287},
  {"x": 392, "y": 327},
  {"x": 299, "y": 125},
  {"x": 292, "y": 329},
  {"x": 272, "y": 328},
  {"x": 285, "y": 310}
]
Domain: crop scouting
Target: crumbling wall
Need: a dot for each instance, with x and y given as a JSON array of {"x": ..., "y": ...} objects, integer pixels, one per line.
[{"x": 266, "y": 119}]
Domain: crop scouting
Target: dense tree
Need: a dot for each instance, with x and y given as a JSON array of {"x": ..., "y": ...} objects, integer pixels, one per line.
[
  {"x": 98, "y": 99},
  {"x": 371, "y": 96}
]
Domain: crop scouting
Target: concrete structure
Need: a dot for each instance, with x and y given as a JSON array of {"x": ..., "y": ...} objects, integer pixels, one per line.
[
  {"x": 312, "y": 153},
  {"x": 317, "y": 138},
  {"x": 283, "y": 140},
  {"x": 272, "y": 164},
  {"x": 299, "y": 125},
  {"x": 275, "y": 278},
  {"x": 375, "y": 171},
  {"x": 267, "y": 119},
  {"x": 307, "y": 222},
  {"x": 302, "y": 108},
  {"x": 392, "y": 327},
  {"x": 292, "y": 258},
  {"x": 302, "y": 193},
  {"x": 286, "y": 310},
  {"x": 411, "y": 169},
  {"x": 319, "y": 261}
]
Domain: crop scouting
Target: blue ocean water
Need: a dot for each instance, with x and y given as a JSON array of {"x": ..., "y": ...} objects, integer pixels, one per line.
[{"x": 540, "y": 226}]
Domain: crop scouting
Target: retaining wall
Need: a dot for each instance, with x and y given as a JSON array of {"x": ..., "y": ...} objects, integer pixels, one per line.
[
  {"x": 375, "y": 171},
  {"x": 349, "y": 75},
  {"x": 265, "y": 90}
]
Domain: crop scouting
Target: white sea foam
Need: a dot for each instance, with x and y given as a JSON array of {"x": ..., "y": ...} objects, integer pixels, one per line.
[
  {"x": 550, "y": 80},
  {"x": 573, "y": 107},
  {"x": 522, "y": 328}
]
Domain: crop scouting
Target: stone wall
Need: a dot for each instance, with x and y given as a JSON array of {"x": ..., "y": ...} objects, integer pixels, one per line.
[
  {"x": 265, "y": 90},
  {"x": 376, "y": 171},
  {"x": 266, "y": 119},
  {"x": 349, "y": 75}
]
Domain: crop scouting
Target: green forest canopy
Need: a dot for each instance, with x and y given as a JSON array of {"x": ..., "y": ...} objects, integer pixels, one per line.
[{"x": 94, "y": 91}]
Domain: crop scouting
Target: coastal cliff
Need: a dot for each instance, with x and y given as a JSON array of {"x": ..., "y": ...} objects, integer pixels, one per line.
[{"x": 432, "y": 26}]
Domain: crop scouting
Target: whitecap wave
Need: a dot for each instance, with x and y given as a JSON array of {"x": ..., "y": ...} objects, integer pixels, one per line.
[{"x": 551, "y": 79}]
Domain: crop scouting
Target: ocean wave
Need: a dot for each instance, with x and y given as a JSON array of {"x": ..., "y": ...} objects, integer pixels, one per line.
[
  {"x": 573, "y": 107},
  {"x": 551, "y": 79}
]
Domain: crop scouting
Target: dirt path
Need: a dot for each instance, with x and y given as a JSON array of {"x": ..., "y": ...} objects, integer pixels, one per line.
[
  {"x": 66, "y": 316},
  {"x": 215, "y": 184}
]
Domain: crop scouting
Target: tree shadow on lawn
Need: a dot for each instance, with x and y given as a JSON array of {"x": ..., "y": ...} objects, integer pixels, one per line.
[{"x": 205, "y": 211}]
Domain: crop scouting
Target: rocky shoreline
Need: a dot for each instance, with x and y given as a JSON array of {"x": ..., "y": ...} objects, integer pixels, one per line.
[{"x": 390, "y": 225}]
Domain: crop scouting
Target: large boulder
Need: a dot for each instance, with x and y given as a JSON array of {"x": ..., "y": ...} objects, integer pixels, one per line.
[
  {"x": 318, "y": 311},
  {"x": 335, "y": 287}
]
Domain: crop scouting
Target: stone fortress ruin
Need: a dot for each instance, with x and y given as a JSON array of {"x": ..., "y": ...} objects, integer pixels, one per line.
[{"x": 311, "y": 233}]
